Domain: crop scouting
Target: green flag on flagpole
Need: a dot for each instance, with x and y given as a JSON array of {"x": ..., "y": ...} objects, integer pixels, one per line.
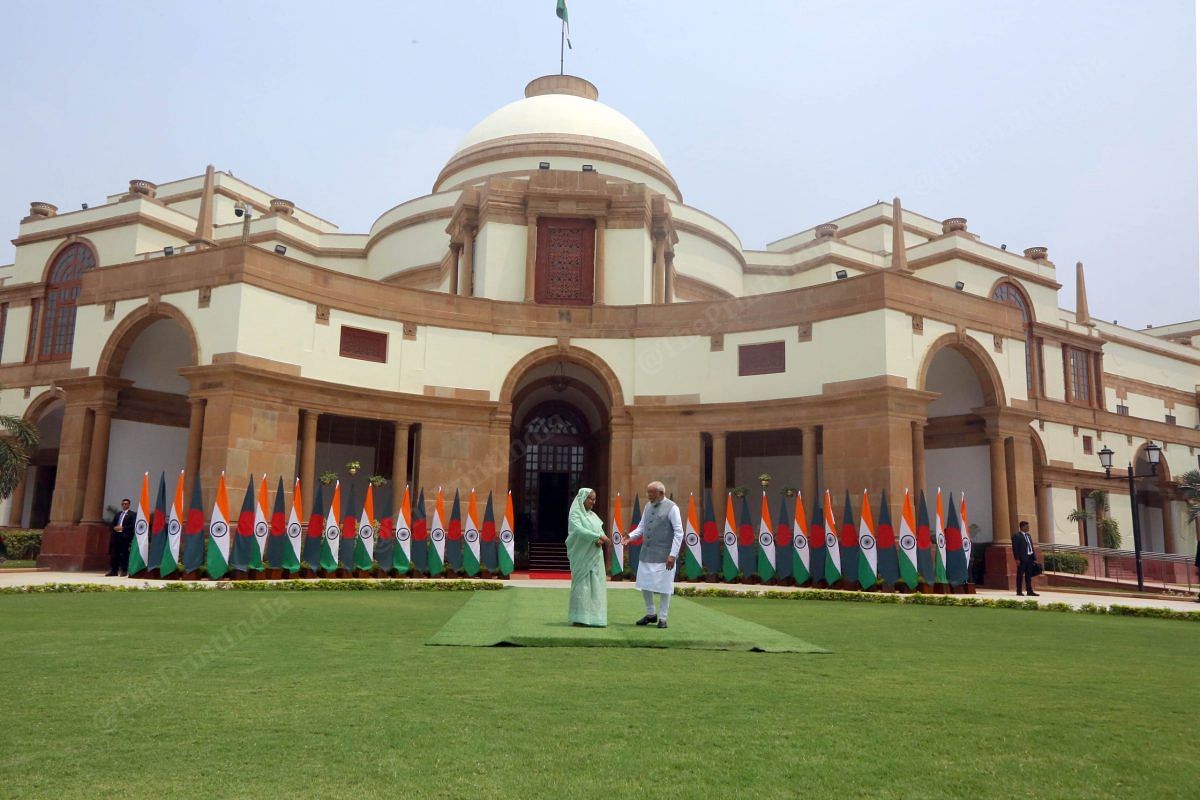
[{"x": 560, "y": 11}]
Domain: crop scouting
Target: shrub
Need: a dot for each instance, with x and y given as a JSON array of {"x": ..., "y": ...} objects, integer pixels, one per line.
[
  {"x": 23, "y": 545},
  {"x": 1071, "y": 563}
]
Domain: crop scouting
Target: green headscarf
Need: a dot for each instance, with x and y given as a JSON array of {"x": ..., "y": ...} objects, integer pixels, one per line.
[{"x": 579, "y": 516}]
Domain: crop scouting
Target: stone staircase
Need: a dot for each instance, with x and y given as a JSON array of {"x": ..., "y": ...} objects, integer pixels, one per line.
[{"x": 548, "y": 557}]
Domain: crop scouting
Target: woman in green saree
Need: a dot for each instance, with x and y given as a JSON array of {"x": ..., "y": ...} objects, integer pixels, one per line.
[{"x": 585, "y": 549}]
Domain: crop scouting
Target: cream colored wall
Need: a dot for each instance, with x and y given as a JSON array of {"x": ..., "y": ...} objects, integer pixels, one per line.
[
  {"x": 906, "y": 351},
  {"x": 411, "y": 208},
  {"x": 415, "y": 246},
  {"x": 706, "y": 261},
  {"x": 557, "y": 163},
  {"x": 628, "y": 254},
  {"x": 16, "y": 334},
  {"x": 1063, "y": 501},
  {"x": 500, "y": 261}
]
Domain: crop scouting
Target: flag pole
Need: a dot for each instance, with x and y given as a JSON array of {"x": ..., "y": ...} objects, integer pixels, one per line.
[{"x": 562, "y": 38}]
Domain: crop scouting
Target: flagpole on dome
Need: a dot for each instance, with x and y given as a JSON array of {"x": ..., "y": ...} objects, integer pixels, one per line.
[{"x": 560, "y": 11}]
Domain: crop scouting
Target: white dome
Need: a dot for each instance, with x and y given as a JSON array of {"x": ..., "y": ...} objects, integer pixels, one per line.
[{"x": 560, "y": 114}]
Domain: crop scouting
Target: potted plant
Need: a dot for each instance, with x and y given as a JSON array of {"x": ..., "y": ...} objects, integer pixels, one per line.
[
  {"x": 328, "y": 477},
  {"x": 788, "y": 491},
  {"x": 377, "y": 481},
  {"x": 1108, "y": 530},
  {"x": 739, "y": 491},
  {"x": 353, "y": 466},
  {"x": 764, "y": 479}
]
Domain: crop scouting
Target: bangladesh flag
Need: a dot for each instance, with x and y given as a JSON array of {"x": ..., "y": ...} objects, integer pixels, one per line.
[
  {"x": 818, "y": 552},
  {"x": 364, "y": 543},
  {"x": 193, "y": 531},
  {"x": 849, "y": 542},
  {"x": 289, "y": 558},
  {"x": 385, "y": 540},
  {"x": 487, "y": 538},
  {"x": 868, "y": 560},
  {"x": 747, "y": 540},
  {"x": 924, "y": 542},
  {"x": 801, "y": 552},
  {"x": 314, "y": 539},
  {"x": 402, "y": 556},
  {"x": 245, "y": 545},
  {"x": 420, "y": 536},
  {"x": 710, "y": 539},
  {"x": 347, "y": 543},
  {"x": 939, "y": 541},
  {"x": 331, "y": 535},
  {"x": 692, "y": 568},
  {"x": 437, "y": 536},
  {"x": 170, "y": 556},
  {"x": 833, "y": 554},
  {"x": 277, "y": 535},
  {"x": 219, "y": 535},
  {"x": 454, "y": 535},
  {"x": 632, "y": 550},
  {"x": 617, "y": 564},
  {"x": 908, "y": 544},
  {"x": 885, "y": 541},
  {"x": 766, "y": 542},
  {"x": 783, "y": 542},
  {"x": 729, "y": 544},
  {"x": 507, "y": 538},
  {"x": 139, "y": 554},
  {"x": 470, "y": 543},
  {"x": 158, "y": 524},
  {"x": 956, "y": 564}
]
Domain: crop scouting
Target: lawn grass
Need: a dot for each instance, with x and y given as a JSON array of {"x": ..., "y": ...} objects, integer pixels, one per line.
[
  {"x": 332, "y": 694},
  {"x": 18, "y": 564}
]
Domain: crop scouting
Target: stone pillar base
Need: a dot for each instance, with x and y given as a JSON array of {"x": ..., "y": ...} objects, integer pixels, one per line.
[
  {"x": 75, "y": 547},
  {"x": 999, "y": 568}
]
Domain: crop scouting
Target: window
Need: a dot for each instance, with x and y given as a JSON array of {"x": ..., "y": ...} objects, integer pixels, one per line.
[
  {"x": 58, "y": 315},
  {"x": 35, "y": 305},
  {"x": 1087, "y": 445},
  {"x": 761, "y": 359},
  {"x": 3, "y": 325},
  {"x": 1122, "y": 410},
  {"x": 565, "y": 261},
  {"x": 1170, "y": 419},
  {"x": 1010, "y": 294},
  {"x": 1078, "y": 370},
  {"x": 363, "y": 344}
]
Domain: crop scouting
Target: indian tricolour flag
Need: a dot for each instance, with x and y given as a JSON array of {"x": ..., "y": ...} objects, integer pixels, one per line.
[
  {"x": 908, "y": 544},
  {"x": 437, "y": 536},
  {"x": 471, "y": 554},
  {"x": 617, "y": 566},
  {"x": 868, "y": 561},
  {"x": 966, "y": 532},
  {"x": 139, "y": 554},
  {"x": 217, "y": 556},
  {"x": 833, "y": 551},
  {"x": 939, "y": 538},
  {"x": 801, "y": 561},
  {"x": 766, "y": 542},
  {"x": 364, "y": 545},
  {"x": 294, "y": 531},
  {"x": 170, "y": 556},
  {"x": 402, "y": 555},
  {"x": 507, "y": 539},
  {"x": 331, "y": 533},
  {"x": 729, "y": 543},
  {"x": 262, "y": 525},
  {"x": 692, "y": 568}
]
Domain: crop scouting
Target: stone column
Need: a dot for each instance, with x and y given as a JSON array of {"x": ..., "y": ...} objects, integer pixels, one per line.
[
  {"x": 669, "y": 277},
  {"x": 999, "y": 475},
  {"x": 400, "y": 459},
  {"x": 195, "y": 439},
  {"x": 599, "y": 277},
  {"x": 1045, "y": 527},
  {"x": 308, "y": 452},
  {"x": 808, "y": 445},
  {"x": 35, "y": 333},
  {"x": 466, "y": 284},
  {"x": 97, "y": 470},
  {"x": 918, "y": 456},
  {"x": 1168, "y": 522},
  {"x": 719, "y": 480},
  {"x": 17, "y": 504},
  {"x": 531, "y": 257},
  {"x": 658, "y": 272},
  {"x": 455, "y": 254}
]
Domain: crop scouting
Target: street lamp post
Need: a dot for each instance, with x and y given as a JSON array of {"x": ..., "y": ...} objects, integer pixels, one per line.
[{"x": 1153, "y": 453}]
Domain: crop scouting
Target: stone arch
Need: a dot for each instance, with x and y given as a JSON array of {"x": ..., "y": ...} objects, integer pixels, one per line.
[
  {"x": 74, "y": 239},
  {"x": 577, "y": 355},
  {"x": 42, "y": 403},
  {"x": 1164, "y": 469},
  {"x": 112, "y": 358},
  {"x": 1020, "y": 289},
  {"x": 980, "y": 362}
]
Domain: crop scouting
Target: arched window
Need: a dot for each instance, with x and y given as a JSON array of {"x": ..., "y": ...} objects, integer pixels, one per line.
[
  {"x": 58, "y": 313},
  {"x": 1010, "y": 294}
]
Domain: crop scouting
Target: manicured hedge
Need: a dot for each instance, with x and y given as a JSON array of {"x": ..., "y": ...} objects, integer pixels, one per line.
[
  {"x": 22, "y": 545},
  {"x": 1071, "y": 563},
  {"x": 350, "y": 585}
]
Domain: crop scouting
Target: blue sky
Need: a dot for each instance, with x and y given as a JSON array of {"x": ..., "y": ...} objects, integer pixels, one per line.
[{"x": 1058, "y": 123}]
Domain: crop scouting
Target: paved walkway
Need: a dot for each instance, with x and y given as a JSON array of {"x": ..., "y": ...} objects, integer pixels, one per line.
[{"x": 30, "y": 578}]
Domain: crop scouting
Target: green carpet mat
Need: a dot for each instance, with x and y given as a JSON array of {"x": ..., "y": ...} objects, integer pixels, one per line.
[{"x": 538, "y": 618}]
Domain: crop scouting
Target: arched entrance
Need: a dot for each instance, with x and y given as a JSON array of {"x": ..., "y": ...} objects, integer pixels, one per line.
[
  {"x": 1159, "y": 520},
  {"x": 561, "y": 414},
  {"x": 29, "y": 506}
]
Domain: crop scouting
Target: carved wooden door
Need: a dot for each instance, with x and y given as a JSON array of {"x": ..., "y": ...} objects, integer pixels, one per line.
[{"x": 565, "y": 266}]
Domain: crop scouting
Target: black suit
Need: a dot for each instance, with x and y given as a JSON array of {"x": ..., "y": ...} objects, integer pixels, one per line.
[
  {"x": 119, "y": 541},
  {"x": 1022, "y": 546}
]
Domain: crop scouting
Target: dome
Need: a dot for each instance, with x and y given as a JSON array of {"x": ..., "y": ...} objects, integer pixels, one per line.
[{"x": 560, "y": 115}]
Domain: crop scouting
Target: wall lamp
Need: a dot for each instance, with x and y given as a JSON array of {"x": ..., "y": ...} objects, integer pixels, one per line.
[
  {"x": 841, "y": 275},
  {"x": 543, "y": 165},
  {"x": 168, "y": 250},
  {"x": 959, "y": 285},
  {"x": 280, "y": 250}
]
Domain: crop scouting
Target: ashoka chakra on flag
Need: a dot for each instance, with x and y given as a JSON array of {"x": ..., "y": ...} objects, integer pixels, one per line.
[
  {"x": 801, "y": 542},
  {"x": 403, "y": 534},
  {"x": 867, "y": 542},
  {"x": 437, "y": 534},
  {"x": 693, "y": 540},
  {"x": 293, "y": 530},
  {"x": 830, "y": 540},
  {"x": 173, "y": 527},
  {"x": 141, "y": 526},
  {"x": 908, "y": 542},
  {"x": 218, "y": 529},
  {"x": 365, "y": 531},
  {"x": 730, "y": 539},
  {"x": 506, "y": 536},
  {"x": 471, "y": 535}
]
